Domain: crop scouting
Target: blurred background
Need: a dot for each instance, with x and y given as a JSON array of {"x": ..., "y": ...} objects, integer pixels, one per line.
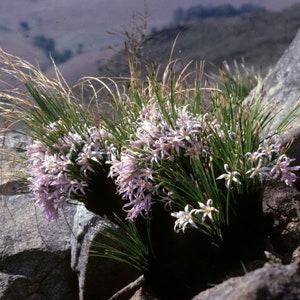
[{"x": 87, "y": 38}]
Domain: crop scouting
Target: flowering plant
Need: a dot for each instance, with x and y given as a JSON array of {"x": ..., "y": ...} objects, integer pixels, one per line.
[
  {"x": 164, "y": 149},
  {"x": 178, "y": 155},
  {"x": 65, "y": 170}
]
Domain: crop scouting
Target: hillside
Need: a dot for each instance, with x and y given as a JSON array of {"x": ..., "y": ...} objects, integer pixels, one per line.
[
  {"x": 258, "y": 39},
  {"x": 67, "y": 27}
]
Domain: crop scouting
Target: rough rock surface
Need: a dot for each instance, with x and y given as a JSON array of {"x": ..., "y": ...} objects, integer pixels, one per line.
[
  {"x": 34, "y": 254},
  {"x": 12, "y": 147},
  {"x": 270, "y": 282},
  {"x": 282, "y": 204},
  {"x": 280, "y": 89},
  {"x": 98, "y": 278}
]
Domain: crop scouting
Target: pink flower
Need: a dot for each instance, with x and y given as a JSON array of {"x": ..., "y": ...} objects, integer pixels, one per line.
[
  {"x": 77, "y": 187},
  {"x": 139, "y": 206},
  {"x": 260, "y": 171},
  {"x": 283, "y": 171},
  {"x": 135, "y": 183}
]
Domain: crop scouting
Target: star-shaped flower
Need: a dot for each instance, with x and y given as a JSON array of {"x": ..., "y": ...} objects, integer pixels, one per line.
[
  {"x": 260, "y": 171},
  {"x": 206, "y": 210},
  {"x": 184, "y": 218},
  {"x": 229, "y": 176}
]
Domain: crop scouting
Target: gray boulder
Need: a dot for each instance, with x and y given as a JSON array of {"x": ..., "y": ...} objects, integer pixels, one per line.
[
  {"x": 98, "y": 278},
  {"x": 12, "y": 146},
  {"x": 280, "y": 89},
  {"x": 281, "y": 203},
  {"x": 34, "y": 254},
  {"x": 271, "y": 282}
]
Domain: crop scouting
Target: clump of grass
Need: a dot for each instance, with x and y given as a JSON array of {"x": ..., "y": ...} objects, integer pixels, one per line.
[{"x": 164, "y": 146}]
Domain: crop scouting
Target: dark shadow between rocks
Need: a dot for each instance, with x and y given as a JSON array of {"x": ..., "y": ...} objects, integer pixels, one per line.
[{"x": 185, "y": 263}]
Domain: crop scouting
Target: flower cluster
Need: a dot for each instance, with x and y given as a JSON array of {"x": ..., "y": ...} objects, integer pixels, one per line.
[
  {"x": 186, "y": 140},
  {"x": 160, "y": 150},
  {"x": 156, "y": 141},
  {"x": 266, "y": 163},
  {"x": 62, "y": 172},
  {"x": 188, "y": 217}
]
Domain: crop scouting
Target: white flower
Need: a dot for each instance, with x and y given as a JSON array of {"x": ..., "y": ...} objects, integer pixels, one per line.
[
  {"x": 206, "y": 209},
  {"x": 253, "y": 157},
  {"x": 184, "y": 218},
  {"x": 268, "y": 148},
  {"x": 229, "y": 176},
  {"x": 260, "y": 171}
]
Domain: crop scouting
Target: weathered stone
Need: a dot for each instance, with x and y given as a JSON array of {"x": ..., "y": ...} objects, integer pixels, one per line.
[
  {"x": 130, "y": 290},
  {"x": 270, "y": 282},
  {"x": 99, "y": 278},
  {"x": 18, "y": 287},
  {"x": 142, "y": 294},
  {"x": 34, "y": 254},
  {"x": 280, "y": 90},
  {"x": 281, "y": 204},
  {"x": 13, "y": 187},
  {"x": 12, "y": 146},
  {"x": 296, "y": 255}
]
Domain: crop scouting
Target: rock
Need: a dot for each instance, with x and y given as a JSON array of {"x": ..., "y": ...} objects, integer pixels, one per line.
[
  {"x": 14, "y": 141},
  {"x": 142, "y": 294},
  {"x": 296, "y": 255},
  {"x": 12, "y": 163},
  {"x": 280, "y": 89},
  {"x": 134, "y": 289},
  {"x": 281, "y": 206},
  {"x": 18, "y": 287},
  {"x": 34, "y": 254},
  {"x": 13, "y": 187},
  {"x": 99, "y": 278},
  {"x": 270, "y": 282}
]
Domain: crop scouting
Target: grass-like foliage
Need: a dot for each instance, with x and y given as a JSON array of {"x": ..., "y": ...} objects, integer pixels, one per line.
[
  {"x": 166, "y": 142},
  {"x": 122, "y": 241}
]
